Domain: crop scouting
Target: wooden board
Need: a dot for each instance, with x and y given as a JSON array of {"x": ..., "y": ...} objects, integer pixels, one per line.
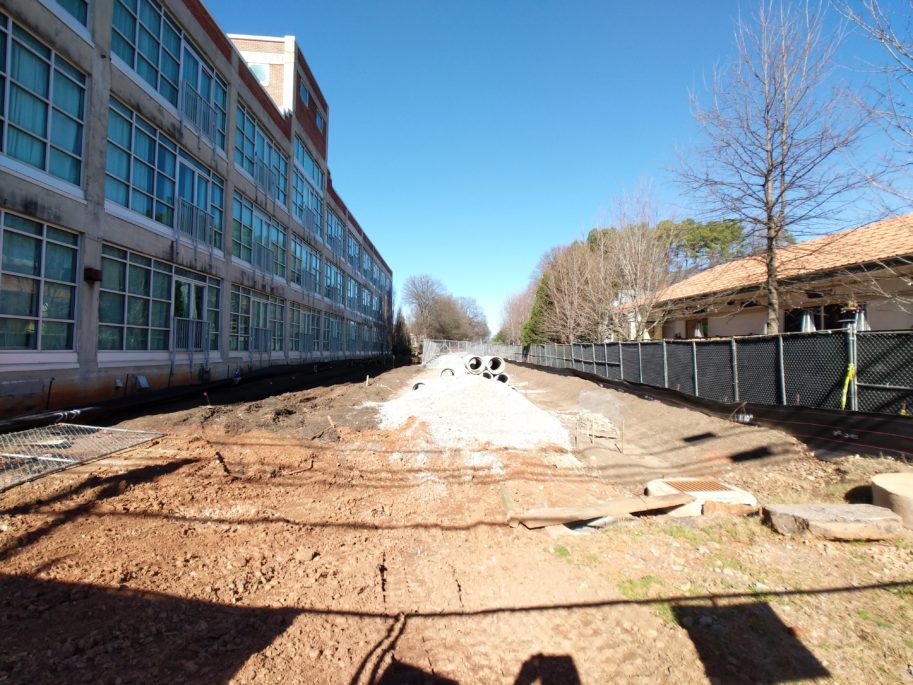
[{"x": 539, "y": 518}]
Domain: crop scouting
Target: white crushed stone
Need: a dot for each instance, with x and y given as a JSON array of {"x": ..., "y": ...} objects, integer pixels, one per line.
[
  {"x": 467, "y": 411},
  {"x": 484, "y": 460}
]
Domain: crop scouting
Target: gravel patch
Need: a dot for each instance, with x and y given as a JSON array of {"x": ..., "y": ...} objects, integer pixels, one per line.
[{"x": 470, "y": 411}]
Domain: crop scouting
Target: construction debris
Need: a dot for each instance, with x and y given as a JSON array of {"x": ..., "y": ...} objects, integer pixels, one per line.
[
  {"x": 895, "y": 492},
  {"x": 704, "y": 491},
  {"x": 539, "y": 518},
  {"x": 834, "y": 521}
]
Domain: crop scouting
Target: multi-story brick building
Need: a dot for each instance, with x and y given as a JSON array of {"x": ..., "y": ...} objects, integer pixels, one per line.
[{"x": 166, "y": 211}]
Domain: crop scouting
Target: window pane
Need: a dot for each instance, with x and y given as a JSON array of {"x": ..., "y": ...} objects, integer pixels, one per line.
[
  {"x": 112, "y": 275},
  {"x": 21, "y": 254},
  {"x": 68, "y": 96},
  {"x": 143, "y": 177},
  {"x": 56, "y": 335},
  {"x": 60, "y": 263},
  {"x": 160, "y": 314},
  {"x": 22, "y": 224},
  {"x": 116, "y": 191},
  {"x": 119, "y": 129},
  {"x": 161, "y": 286},
  {"x": 66, "y": 133},
  {"x": 18, "y": 334},
  {"x": 110, "y": 338},
  {"x": 18, "y": 296},
  {"x": 139, "y": 280},
  {"x": 110, "y": 307},
  {"x": 59, "y": 301},
  {"x": 158, "y": 340},
  {"x": 118, "y": 162},
  {"x": 137, "y": 338},
  {"x": 137, "y": 311},
  {"x": 29, "y": 70},
  {"x": 150, "y": 16},
  {"x": 62, "y": 236},
  {"x": 141, "y": 203},
  {"x": 65, "y": 166},
  {"x": 170, "y": 38},
  {"x": 148, "y": 45},
  {"x": 124, "y": 21},
  {"x": 121, "y": 48},
  {"x": 144, "y": 146},
  {"x": 28, "y": 112},
  {"x": 26, "y": 148},
  {"x": 78, "y": 8}
]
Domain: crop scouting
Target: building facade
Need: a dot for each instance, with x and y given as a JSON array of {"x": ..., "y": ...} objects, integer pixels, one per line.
[{"x": 167, "y": 215}]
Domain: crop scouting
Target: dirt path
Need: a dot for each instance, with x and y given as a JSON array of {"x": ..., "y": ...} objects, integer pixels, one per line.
[{"x": 289, "y": 539}]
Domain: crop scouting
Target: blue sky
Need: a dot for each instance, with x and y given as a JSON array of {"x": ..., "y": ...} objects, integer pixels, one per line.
[{"x": 469, "y": 137}]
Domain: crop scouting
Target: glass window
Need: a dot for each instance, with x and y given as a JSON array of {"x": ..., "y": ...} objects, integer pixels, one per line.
[
  {"x": 321, "y": 124},
  {"x": 204, "y": 96},
  {"x": 145, "y": 37},
  {"x": 200, "y": 202},
  {"x": 43, "y": 125},
  {"x": 140, "y": 165},
  {"x": 139, "y": 296},
  {"x": 78, "y": 8},
  {"x": 258, "y": 154},
  {"x": 335, "y": 232},
  {"x": 257, "y": 238},
  {"x": 37, "y": 285}
]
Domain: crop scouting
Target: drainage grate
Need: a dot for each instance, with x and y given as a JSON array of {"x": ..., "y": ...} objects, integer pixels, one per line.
[
  {"x": 29, "y": 454},
  {"x": 698, "y": 486}
]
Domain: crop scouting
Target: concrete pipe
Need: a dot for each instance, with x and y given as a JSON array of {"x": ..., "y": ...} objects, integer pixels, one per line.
[
  {"x": 894, "y": 491},
  {"x": 502, "y": 378},
  {"x": 474, "y": 364},
  {"x": 447, "y": 373},
  {"x": 495, "y": 364},
  {"x": 419, "y": 385},
  {"x": 487, "y": 374}
]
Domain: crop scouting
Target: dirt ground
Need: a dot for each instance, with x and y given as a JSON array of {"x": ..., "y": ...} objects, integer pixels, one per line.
[{"x": 288, "y": 539}]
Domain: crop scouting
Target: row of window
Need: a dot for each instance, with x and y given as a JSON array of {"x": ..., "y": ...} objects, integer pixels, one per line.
[
  {"x": 42, "y": 110},
  {"x": 144, "y": 303},
  {"x": 257, "y": 324}
]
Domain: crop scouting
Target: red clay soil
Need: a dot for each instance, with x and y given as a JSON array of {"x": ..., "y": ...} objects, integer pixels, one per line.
[{"x": 288, "y": 539}]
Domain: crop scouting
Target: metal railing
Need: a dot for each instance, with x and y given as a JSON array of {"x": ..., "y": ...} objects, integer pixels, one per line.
[
  {"x": 261, "y": 256},
  {"x": 200, "y": 114},
  {"x": 195, "y": 222},
  {"x": 311, "y": 220},
  {"x": 841, "y": 369},
  {"x": 265, "y": 177},
  {"x": 190, "y": 336}
]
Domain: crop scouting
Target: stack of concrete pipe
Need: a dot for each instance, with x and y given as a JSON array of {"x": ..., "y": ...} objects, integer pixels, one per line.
[
  {"x": 450, "y": 365},
  {"x": 487, "y": 367}
]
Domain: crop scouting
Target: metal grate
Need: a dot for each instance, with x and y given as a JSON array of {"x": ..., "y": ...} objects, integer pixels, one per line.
[
  {"x": 39, "y": 451},
  {"x": 698, "y": 486},
  {"x": 680, "y": 359}
]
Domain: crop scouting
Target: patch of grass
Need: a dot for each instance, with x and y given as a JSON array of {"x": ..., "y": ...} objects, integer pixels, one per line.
[
  {"x": 664, "y": 612},
  {"x": 637, "y": 588},
  {"x": 695, "y": 536},
  {"x": 561, "y": 551},
  {"x": 866, "y": 616},
  {"x": 908, "y": 641}
]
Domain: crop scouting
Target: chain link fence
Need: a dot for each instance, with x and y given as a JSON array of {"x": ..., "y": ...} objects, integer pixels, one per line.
[
  {"x": 844, "y": 369},
  {"x": 28, "y": 454}
]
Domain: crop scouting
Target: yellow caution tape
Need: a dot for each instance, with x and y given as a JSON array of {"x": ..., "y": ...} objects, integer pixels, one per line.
[{"x": 850, "y": 375}]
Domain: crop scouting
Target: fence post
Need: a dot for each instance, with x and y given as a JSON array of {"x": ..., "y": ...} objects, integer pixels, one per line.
[
  {"x": 781, "y": 370},
  {"x": 852, "y": 358},
  {"x": 621, "y": 362},
  {"x": 734, "y": 358},
  {"x": 665, "y": 367},
  {"x": 697, "y": 390},
  {"x": 640, "y": 364},
  {"x": 605, "y": 358}
]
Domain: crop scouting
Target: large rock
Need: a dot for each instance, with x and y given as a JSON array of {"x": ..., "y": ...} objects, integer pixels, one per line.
[{"x": 834, "y": 521}]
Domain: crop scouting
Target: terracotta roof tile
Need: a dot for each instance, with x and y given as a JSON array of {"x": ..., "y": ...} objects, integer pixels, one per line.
[{"x": 873, "y": 242}]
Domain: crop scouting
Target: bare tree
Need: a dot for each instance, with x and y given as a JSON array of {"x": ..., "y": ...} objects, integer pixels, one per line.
[
  {"x": 889, "y": 24},
  {"x": 565, "y": 283},
  {"x": 778, "y": 133},
  {"x": 515, "y": 313},
  {"x": 420, "y": 294}
]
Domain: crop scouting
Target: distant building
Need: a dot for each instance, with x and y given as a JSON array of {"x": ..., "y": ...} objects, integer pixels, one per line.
[
  {"x": 166, "y": 210},
  {"x": 862, "y": 276}
]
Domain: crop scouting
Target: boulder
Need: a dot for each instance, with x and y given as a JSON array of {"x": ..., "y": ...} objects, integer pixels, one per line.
[{"x": 834, "y": 521}]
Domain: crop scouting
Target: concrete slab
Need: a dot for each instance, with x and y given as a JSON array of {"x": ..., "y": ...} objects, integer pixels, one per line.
[{"x": 834, "y": 521}]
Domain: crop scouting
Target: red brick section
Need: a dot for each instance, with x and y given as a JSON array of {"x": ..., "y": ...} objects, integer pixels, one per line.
[
  {"x": 875, "y": 242},
  {"x": 312, "y": 82},
  {"x": 305, "y": 117},
  {"x": 334, "y": 196},
  {"x": 266, "y": 102},
  {"x": 209, "y": 25}
]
